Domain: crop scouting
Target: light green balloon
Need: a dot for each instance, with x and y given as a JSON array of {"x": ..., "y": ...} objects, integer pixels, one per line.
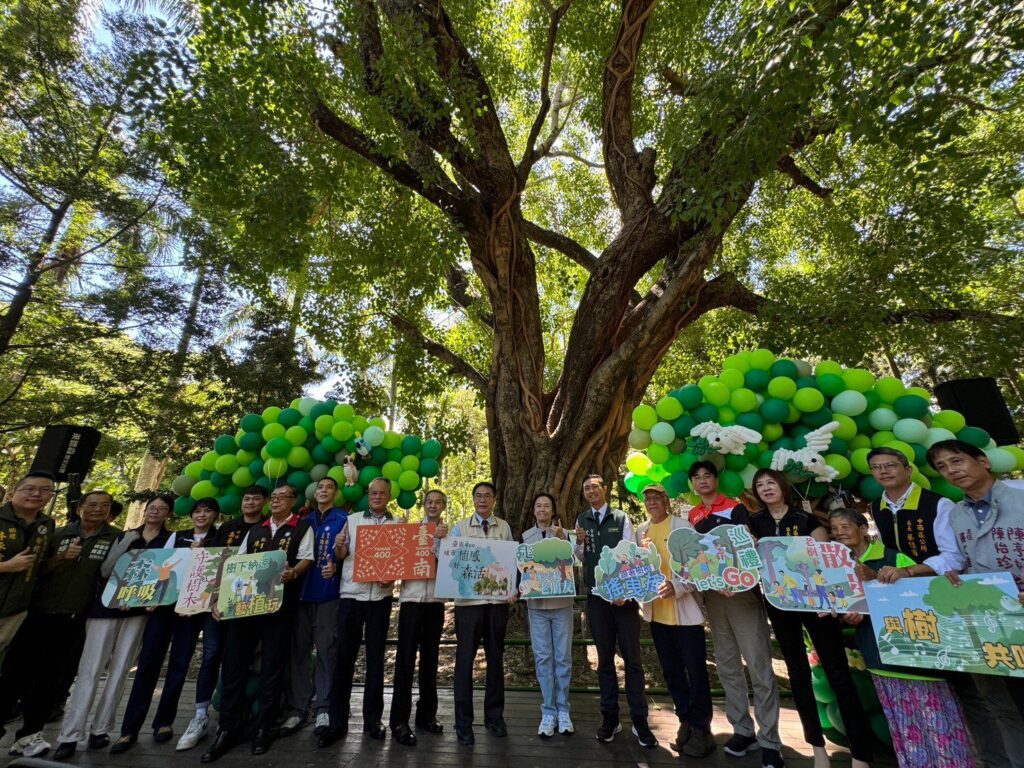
[
  {"x": 911, "y": 431},
  {"x": 194, "y": 469},
  {"x": 717, "y": 393},
  {"x": 182, "y": 485},
  {"x": 409, "y": 481},
  {"x": 669, "y": 409},
  {"x": 850, "y": 403},
  {"x": 828, "y": 366},
  {"x": 1002, "y": 460},
  {"x": 808, "y": 400},
  {"x": 391, "y": 470},
  {"x": 663, "y": 433},
  {"x": 840, "y": 463},
  {"x": 638, "y": 464},
  {"x": 782, "y": 387},
  {"x": 226, "y": 464},
  {"x": 858, "y": 379},
  {"x": 737, "y": 363},
  {"x": 889, "y": 389},
  {"x": 296, "y": 435},
  {"x": 883, "y": 419},
  {"x": 732, "y": 378},
  {"x": 242, "y": 477},
  {"x": 373, "y": 435},
  {"x": 743, "y": 400},
  {"x": 391, "y": 439},
  {"x": 410, "y": 463},
  {"x": 954, "y": 421},
  {"x": 275, "y": 467},
  {"x": 272, "y": 430},
  {"x": 847, "y": 426},
  {"x": 639, "y": 438},
  {"x": 762, "y": 359},
  {"x": 644, "y": 417}
]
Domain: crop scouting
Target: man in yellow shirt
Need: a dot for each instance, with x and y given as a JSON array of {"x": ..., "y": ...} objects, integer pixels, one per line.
[{"x": 677, "y": 628}]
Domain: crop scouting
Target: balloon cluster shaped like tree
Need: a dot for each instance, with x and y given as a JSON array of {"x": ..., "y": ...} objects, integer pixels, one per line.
[
  {"x": 300, "y": 445},
  {"x": 816, "y": 425}
]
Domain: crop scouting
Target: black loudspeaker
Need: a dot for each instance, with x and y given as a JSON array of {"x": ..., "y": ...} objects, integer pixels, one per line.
[
  {"x": 66, "y": 450},
  {"x": 982, "y": 404}
]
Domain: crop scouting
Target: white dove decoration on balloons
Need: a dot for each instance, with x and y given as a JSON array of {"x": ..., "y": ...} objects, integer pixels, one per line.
[
  {"x": 732, "y": 439},
  {"x": 809, "y": 460}
]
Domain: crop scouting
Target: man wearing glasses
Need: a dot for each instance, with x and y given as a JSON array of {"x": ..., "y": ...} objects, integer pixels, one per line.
[
  {"x": 282, "y": 530},
  {"x": 479, "y": 621},
  {"x": 911, "y": 519},
  {"x": 24, "y": 535}
]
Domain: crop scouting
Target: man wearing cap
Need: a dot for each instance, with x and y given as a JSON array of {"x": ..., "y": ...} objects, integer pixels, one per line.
[
  {"x": 677, "y": 628},
  {"x": 598, "y": 527}
]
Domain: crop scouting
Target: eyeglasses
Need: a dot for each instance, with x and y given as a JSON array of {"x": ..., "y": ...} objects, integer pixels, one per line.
[
  {"x": 29, "y": 490},
  {"x": 884, "y": 467}
]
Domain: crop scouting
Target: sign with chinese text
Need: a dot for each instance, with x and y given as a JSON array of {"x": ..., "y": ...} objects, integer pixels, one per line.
[
  {"x": 202, "y": 580},
  {"x": 546, "y": 568},
  {"x": 628, "y": 572},
  {"x": 724, "y": 558},
  {"x": 251, "y": 585},
  {"x": 390, "y": 552},
  {"x": 799, "y": 573},
  {"x": 928, "y": 623},
  {"x": 146, "y": 578},
  {"x": 476, "y": 569}
]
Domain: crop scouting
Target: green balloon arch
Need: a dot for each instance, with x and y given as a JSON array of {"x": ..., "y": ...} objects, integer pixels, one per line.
[
  {"x": 300, "y": 445},
  {"x": 817, "y": 425}
]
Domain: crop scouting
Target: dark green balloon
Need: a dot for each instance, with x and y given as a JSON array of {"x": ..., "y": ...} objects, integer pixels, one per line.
[
  {"x": 331, "y": 444},
  {"x": 221, "y": 481},
  {"x": 683, "y": 425},
  {"x": 838, "y": 445},
  {"x": 411, "y": 445},
  {"x": 756, "y": 379},
  {"x": 706, "y": 412},
  {"x": 911, "y": 407},
  {"x": 378, "y": 455},
  {"x": 750, "y": 420},
  {"x": 352, "y": 493},
  {"x": 830, "y": 384},
  {"x": 265, "y": 482},
  {"x": 225, "y": 444},
  {"x": 690, "y": 396},
  {"x": 431, "y": 449},
  {"x": 252, "y": 422},
  {"x": 307, "y": 424},
  {"x": 976, "y": 436},
  {"x": 818, "y": 418},
  {"x": 406, "y": 499},
  {"x": 807, "y": 381},
  {"x": 289, "y": 417},
  {"x": 429, "y": 467},
  {"x": 321, "y": 409},
  {"x": 321, "y": 455},
  {"x": 395, "y": 454},
  {"x": 251, "y": 441},
  {"x": 773, "y": 410},
  {"x": 785, "y": 368},
  {"x": 256, "y": 467}
]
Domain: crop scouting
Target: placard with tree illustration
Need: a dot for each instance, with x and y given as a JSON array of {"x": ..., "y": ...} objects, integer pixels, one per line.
[
  {"x": 546, "y": 569},
  {"x": 146, "y": 578},
  {"x": 724, "y": 558},
  {"x": 476, "y": 569},
  {"x": 628, "y": 572},
  {"x": 199, "y": 588},
  {"x": 251, "y": 585},
  {"x": 799, "y": 573},
  {"x": 926, "y": 622}
]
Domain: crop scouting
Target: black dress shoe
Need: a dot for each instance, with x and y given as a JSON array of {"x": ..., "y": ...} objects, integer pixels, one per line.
[
  {"x": 465, "y": 736},
  {"x": 162, "y": 734},
  {"x": 430, "y": 726},
  {"x": 376, "y": 731},
  {"x": 123, "y": 744},
  {"x": 331, "y": 735},
  {"x": 65, "y": 750},
  {"x": 403, "y": 735},
  {"x": 497, "y": 728},
  {"x": 261, "y": 742},
  {"x": 220, "y": 747},
  {"x": 99, "y": 742}
]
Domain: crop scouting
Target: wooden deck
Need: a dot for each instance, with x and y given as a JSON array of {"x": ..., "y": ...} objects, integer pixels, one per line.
[{"x": 521, "y": 749}]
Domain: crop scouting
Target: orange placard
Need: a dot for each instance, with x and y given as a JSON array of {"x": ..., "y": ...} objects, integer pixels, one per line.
[{"x": 388, "y": 552}]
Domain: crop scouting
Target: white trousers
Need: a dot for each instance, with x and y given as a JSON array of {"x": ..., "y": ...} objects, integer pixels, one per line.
[{"x": 111, "y": 645}]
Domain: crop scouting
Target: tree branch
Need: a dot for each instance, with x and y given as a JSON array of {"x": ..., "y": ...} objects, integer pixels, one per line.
[
  {"x": 630, "y": 173},
  {"x": 574, "y": 156},
  {"x": 562, "y": 243},
  {"x": 458, "y": 289},
  {"x": 350, "y": 137},
  {"x": 456, "y": 364},
  {"x": 679, "y": 85},
  {"x": 530, "y": 154},
  {"x": 788, "y": 166}
]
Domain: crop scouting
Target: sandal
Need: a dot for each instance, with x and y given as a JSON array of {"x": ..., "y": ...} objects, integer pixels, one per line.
[{"x": 123, "y": 744}]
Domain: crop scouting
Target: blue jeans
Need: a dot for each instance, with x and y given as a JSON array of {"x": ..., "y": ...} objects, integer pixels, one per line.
[{"x": 551, "y": 637}]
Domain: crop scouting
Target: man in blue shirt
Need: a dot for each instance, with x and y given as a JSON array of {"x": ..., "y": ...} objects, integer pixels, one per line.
[{"x": 316, "y": 622}]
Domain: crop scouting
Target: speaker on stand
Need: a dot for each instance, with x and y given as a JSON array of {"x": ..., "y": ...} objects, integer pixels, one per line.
[
  {"x": 66, "y": 452},
  {"x": 982, "y": 404}
]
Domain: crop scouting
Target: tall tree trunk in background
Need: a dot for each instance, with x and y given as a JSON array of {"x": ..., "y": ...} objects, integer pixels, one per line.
[{"x": 153, "y": 467}]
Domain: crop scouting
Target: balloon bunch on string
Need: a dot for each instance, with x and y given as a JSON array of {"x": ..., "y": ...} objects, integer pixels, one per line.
[
  {"x": 816, "y": 424},
  {"x": 300, "y": 445}
]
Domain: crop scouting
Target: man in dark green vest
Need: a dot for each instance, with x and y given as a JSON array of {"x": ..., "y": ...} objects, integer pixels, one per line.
[{"x": 598, "y": 527}]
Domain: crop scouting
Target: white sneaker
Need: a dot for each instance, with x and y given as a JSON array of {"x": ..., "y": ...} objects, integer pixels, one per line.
[
  {"x": 547, "y": 726},
  {"x": 30, "y": 746},
  {"x": 323, "y": 724},
  {"x": 195, "y": 732},
  {"x": 565, "y": 726}
]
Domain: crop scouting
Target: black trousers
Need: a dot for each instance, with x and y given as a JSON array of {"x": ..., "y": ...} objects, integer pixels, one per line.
[
  {"x": 683, "y": 653},
  {"x": 476, "y": 625},
  {"x": 156, "y": 640},
  {"x": 34, "y": 667},
  {"x": 827, "y": 638},
  {"x": 611, "y": 624},
  {"x": 273, "y": 633},
  {"x": 419, "y": 630},
  {"x": 356, "y": 619}
]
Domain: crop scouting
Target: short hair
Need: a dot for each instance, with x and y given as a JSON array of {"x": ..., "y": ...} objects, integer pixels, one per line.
[
  {"x": 779, "y": 478},
  {"x": 379, "y": 480},
  {"x": 43, "y": 475},
  {"x": 593, "y": 476},
  {"x": 485, "y": 484},
  {"x": 329, "y": 479},
  {"x": 96, "y": 492},
  {"x": 849, "y": 515},
  {"x": 953, "y": 446},
  {"x": 166, "y": 498},
  {"x": 884, "y": 451},
  {"x": 697, "y": 466},
  {"x": 285, "y": 487},
  {"x": 210, "y": 503},
  {"x": 444, "y": 496},
  {"x": 554, "y": 504},
  {"x": 256, "y": 490}
]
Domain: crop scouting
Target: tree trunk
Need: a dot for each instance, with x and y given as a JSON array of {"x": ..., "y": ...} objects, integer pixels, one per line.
[{"x": 151, "y": 474}]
